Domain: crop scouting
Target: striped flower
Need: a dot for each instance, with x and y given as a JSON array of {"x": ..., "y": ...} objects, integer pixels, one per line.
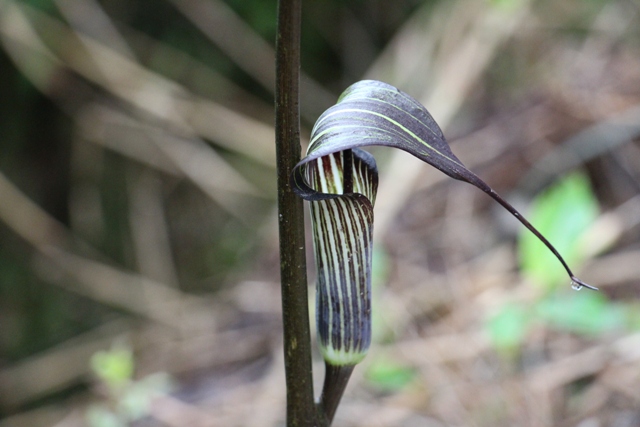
[
  {"x": 341, "y": 180},
  {"x": 342, "y": 237}
]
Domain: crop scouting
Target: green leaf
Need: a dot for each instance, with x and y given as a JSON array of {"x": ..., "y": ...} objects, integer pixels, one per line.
[
  {"x": 114, "y": 367},
  {"x": 508, "y": 328},
  {"x": 588, "y": 314},
  {"x": 389, "y": 375},
  {"x": 383, "y": 321},
  {"x": 563, "y": 213},
  {"x": 506, "y": 4},
  {"x": 100, "y": 416},
  {"x": 135, "y": 402}
]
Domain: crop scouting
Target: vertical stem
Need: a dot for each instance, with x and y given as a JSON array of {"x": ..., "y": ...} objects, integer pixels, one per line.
[
  {"x": 301, "y": 410},
  {"x": 335, "y": 382}
]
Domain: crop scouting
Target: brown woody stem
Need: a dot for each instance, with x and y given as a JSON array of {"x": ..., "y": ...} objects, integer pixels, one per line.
[{"x": 301, "y": 409}]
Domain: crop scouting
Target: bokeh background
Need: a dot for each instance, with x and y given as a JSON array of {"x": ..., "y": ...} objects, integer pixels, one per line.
[{"x": 138, "y": 239}]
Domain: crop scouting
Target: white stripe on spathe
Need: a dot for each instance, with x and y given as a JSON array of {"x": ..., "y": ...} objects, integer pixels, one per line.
[{"x": 342, "y": 231}]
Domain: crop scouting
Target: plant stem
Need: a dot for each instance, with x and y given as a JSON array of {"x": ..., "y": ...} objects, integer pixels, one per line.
[
  {"x": 301, "y": 410},
  {"x": 335, "y": 382}
]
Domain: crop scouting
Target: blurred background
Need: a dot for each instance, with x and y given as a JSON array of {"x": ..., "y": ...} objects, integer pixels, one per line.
[{"x": 138, "y": 233}]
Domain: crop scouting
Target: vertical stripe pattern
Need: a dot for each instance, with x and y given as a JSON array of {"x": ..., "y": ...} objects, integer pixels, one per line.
[{"x": 342, "y": 236}]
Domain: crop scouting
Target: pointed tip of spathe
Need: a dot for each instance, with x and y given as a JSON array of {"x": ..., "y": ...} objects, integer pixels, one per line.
[{"x": 577, "y": 284}]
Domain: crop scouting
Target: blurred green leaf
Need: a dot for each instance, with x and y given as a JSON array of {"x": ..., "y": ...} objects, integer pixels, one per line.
[
  {"x": 99, "y": 416},
  {"x": 585, "y": 313},
  {"x": 114, "y": 367},
  {"x": 507, "y": 4},
  {"x": 508, "y": 328},
  {"x": 380, "y": 267},
  {"x": 382, "y": 318},
  {"x": 137, "y": 398},
  {"x": 562, "y": 213},
  {"x": 633, "y": 316},
  {"x": 389, "y": 375}
]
